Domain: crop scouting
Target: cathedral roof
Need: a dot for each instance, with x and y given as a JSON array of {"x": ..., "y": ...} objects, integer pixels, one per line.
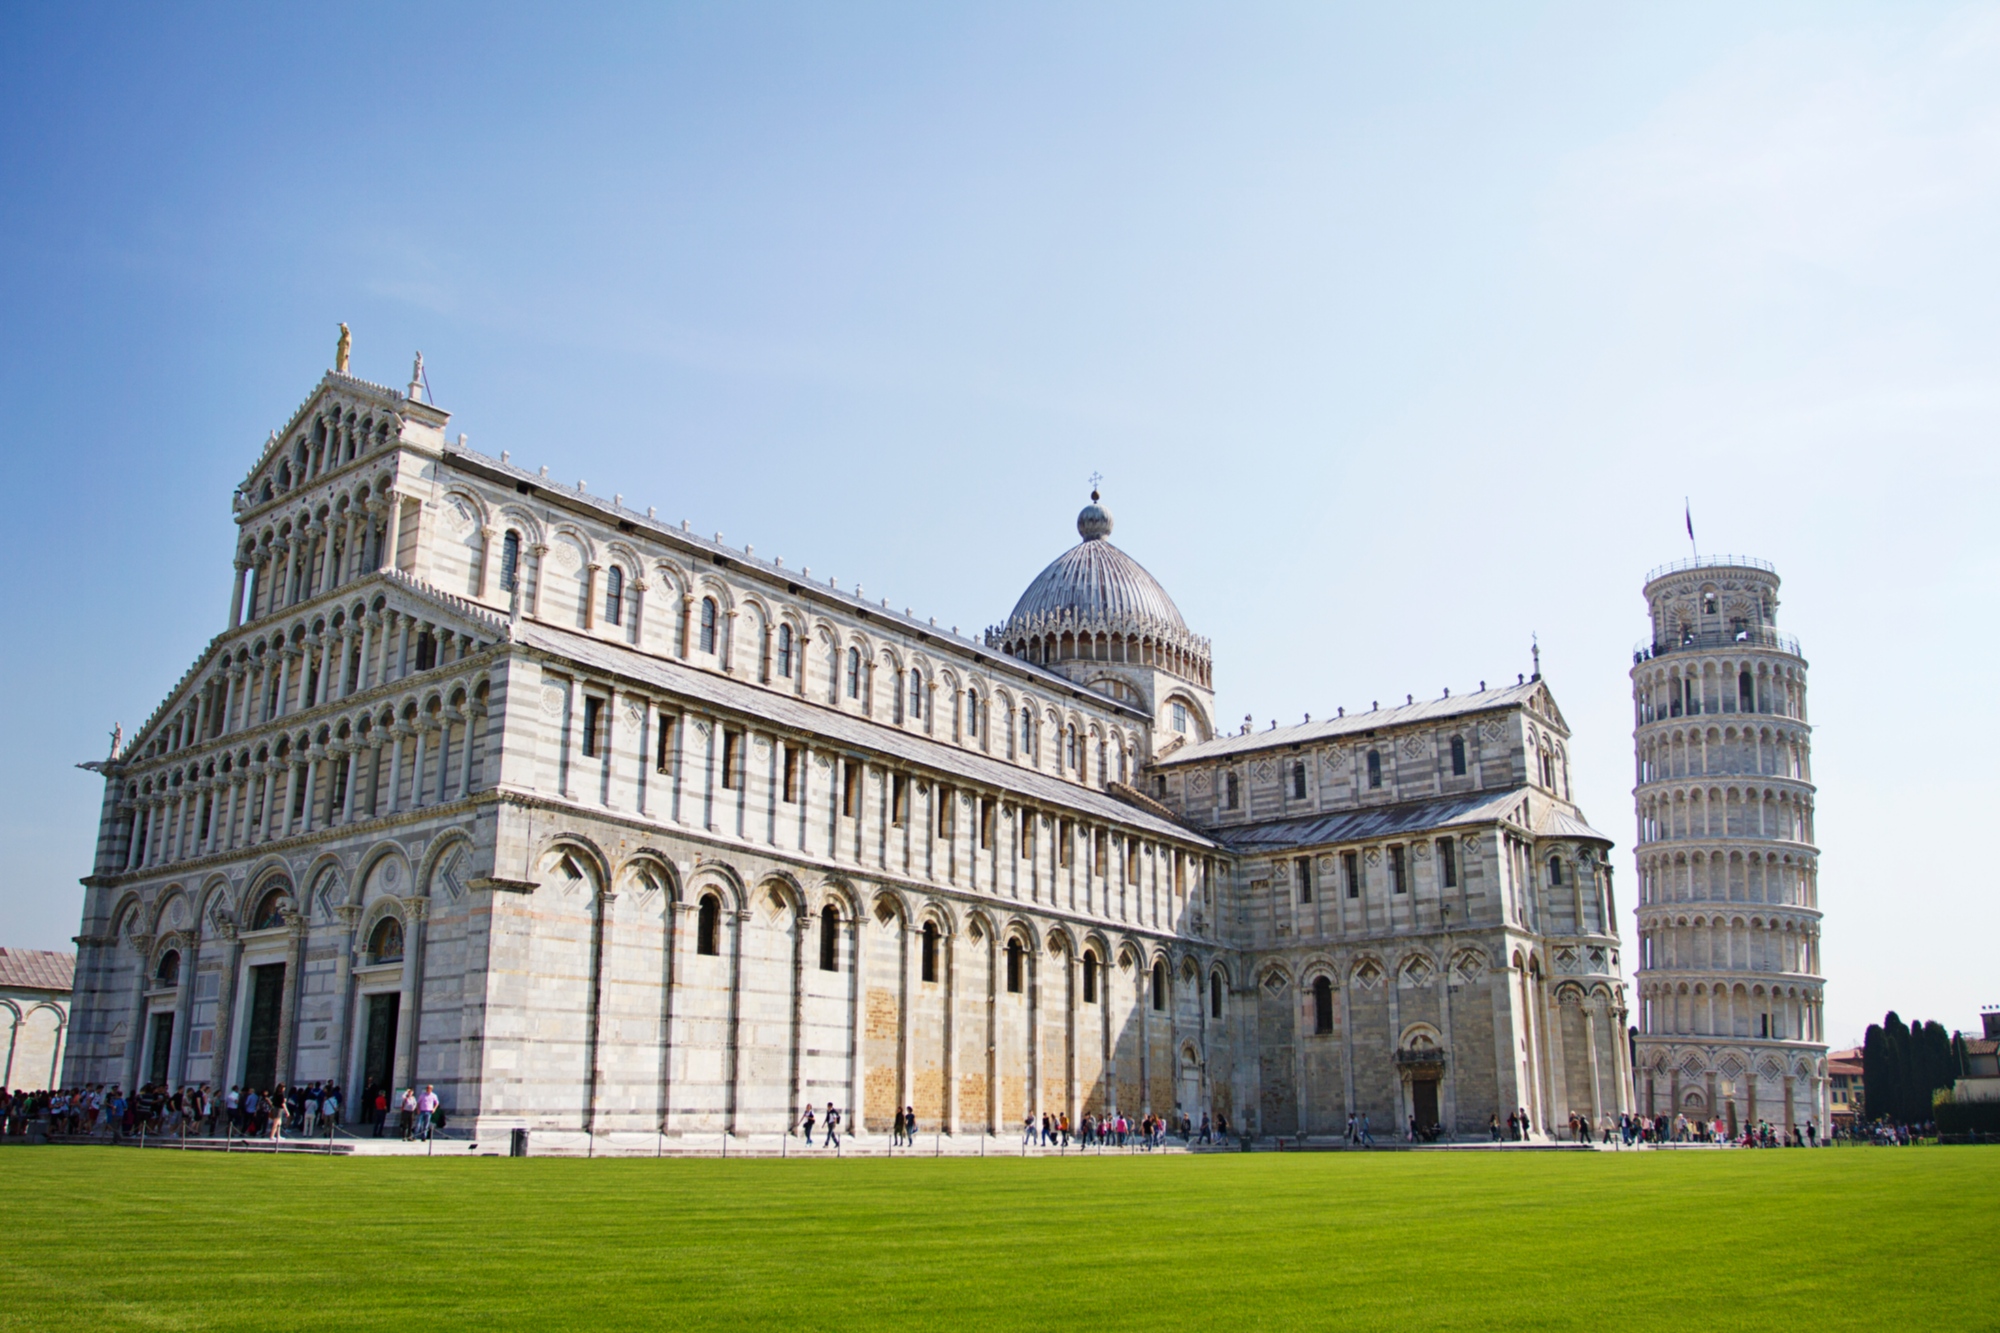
[{"x": 1533, "y": 693}]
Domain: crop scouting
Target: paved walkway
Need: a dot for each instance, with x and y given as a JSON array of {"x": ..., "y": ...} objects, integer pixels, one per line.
[{"x": 575, "y": 1143}]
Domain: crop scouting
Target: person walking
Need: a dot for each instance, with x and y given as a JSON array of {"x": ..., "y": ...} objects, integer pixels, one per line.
[
  {"x": 427, "y": 1106},
  {"x": 1367, "y": 1139},
  {"x": 909, "y": 1126},
  {"x": 832, "y": 1126},
  {"x": 807, "y": 1121},
  {"x": 407, "y": 1114}
]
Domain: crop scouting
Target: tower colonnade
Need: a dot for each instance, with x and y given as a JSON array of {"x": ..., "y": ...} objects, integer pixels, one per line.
[{"x": 1730, "y": 992}]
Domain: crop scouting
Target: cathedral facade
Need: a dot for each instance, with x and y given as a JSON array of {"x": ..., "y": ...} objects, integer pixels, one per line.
[{"x": 596, "y": 824}]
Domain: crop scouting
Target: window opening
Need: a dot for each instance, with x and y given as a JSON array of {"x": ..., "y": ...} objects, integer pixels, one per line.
[
  {"x": 1374, "y": 768},
  {"x": 708, "y": 624},
  {"x": 1458, "y": 756},
  {"x": 829, "y": 939},
  {"x": 785, "y": 652},
  {"x": 708, "y": 927},
  {"x": 614, "y": 595},
  {"x": 1302, "y": 875},
  {"x": 1448, "y": 861},
  {"x": 929, "y": 956},
  {"x": 1398, "y": 879},
  {"x": 1159, "y": 986},
  {"x": 510, "y": 560},
  {"x": 1322, "y": 1007},
  {"x": 593, "y": 711},
  {"x": 1215, "y": 995},
  {"x": 1014, "y": 954}
]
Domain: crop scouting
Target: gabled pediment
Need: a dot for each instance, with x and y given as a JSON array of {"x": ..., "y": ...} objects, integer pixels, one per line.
[{"x": 342, "y": 420}]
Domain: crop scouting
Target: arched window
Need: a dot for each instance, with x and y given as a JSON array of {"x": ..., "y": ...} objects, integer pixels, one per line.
[
  {"x": 1458, "y": 756},
  {"x": 1555, "y": 870},
  {"x": 784, "y": 652},
  {"x": 708, "y": 624},
  {"x": 1069, "y": 747},
  {"x": 971, "y": 716},
  {"x": 1014, "y": 955},
  {"x": 916, "y": 695},
  {"x": 1374, "y": 768},
  {"x": 1215, "y": 995},
  {"x": 1159, "y": 985},
  {"x": 510, "y": 561},
  {"x": 854, "y": 673},
  {"x": 169, "y": 971},
  {"x": 1322, "y": 1006},
  {"x": 614, "y": 596},
  {"x": 1089, "y": 977},
  {"x": 829, "y": 938},
  {"x": 929, "y": 957},
  {"x": 1027, "y": 734},
  {"x": 270, "y": 912},
  {"x": 1231, "y": 793},
  {"x": 708, "y": 927},
  {"x": 385, "y": 942},
  {"x": 1298, "y": 780},
  {"x": 1746, "y": 693}
]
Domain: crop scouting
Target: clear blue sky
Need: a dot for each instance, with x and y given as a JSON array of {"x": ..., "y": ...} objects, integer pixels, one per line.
[{"x": 1398, "y": 334}]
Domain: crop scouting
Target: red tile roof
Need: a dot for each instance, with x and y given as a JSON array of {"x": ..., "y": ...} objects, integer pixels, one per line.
[{"x": 37, "y": 969}]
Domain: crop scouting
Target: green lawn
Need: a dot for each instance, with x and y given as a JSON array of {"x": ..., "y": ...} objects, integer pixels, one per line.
[{"x": 103, "y": 1239}]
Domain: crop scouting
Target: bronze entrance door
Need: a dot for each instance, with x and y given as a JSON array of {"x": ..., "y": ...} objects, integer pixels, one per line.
[
  {"x": 378, "y": 1062},
  {"x": 163, "y": 1045},
  {"x": 260, "y": 1056},
  {"x": 1424, "y": 1101}
]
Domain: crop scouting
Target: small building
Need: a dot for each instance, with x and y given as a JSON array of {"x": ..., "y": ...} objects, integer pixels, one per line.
[
  {"x": 1979, "y": 1081},
  {"x": 34, "y": 1003},
  {"x": 1843, "y": 1077}
]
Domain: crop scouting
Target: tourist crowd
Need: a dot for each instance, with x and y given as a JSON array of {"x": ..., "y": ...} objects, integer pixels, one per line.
[{"x": 303, "y": 1112}]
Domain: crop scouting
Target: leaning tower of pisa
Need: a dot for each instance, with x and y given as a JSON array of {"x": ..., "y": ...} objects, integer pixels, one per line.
[{"x": 1729, "y": 985}]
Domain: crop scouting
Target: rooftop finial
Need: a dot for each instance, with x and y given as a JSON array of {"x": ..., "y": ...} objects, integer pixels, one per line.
[
  {"x": 1536, "y": 651},
  {"x": 1094, "y": 523},
  {"x": 341, "y": 350},
  {"x": 416, "y": 378}
]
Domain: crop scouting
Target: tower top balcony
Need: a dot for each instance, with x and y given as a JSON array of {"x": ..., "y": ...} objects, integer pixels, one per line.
[{"x": 1692, "y": 640}]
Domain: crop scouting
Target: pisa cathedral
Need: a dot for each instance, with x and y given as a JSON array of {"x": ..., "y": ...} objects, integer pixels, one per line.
[{"x": 600, "y": 825}]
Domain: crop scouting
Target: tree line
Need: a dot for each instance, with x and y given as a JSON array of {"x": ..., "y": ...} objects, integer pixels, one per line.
[{"x": 1902, "y": 1065}]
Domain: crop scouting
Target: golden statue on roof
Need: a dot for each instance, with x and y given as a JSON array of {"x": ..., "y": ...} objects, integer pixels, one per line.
[{"x": 341, "y": 350}]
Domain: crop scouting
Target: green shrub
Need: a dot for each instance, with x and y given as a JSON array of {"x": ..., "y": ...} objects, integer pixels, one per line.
[{"x": 1969, "y": 1118}]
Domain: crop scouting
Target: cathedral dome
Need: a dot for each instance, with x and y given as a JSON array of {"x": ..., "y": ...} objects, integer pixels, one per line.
[
  {"x": 1096, "y": 603},
  {"x": 1094, "y": 581}
]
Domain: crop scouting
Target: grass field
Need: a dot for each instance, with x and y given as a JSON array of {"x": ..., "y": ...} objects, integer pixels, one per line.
[{"x": 104, "y": 1239}]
